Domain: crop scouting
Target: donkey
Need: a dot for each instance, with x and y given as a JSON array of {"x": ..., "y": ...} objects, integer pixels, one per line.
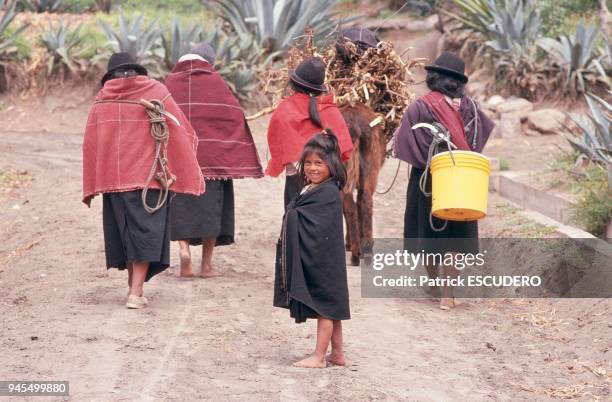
[{"x": 369, "y": 148}]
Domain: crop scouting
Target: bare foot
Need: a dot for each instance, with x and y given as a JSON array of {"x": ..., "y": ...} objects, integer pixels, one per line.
[
  {"x": 336, "y": 359},
  {"x": 209, "y": 273},
  {"x": 311, "y": 362},
  {"x": 457, "y": 302},
  {"x": 186, "y": 267}
]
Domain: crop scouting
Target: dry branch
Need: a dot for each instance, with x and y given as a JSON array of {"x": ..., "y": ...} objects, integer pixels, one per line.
[{"x": 377, "y": 77}]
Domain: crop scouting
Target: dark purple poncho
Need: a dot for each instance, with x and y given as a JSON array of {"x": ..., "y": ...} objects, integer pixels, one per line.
[{"x": 412, "y": 146}]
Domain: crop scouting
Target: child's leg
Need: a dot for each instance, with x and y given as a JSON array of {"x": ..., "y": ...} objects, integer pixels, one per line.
[
  {"x": 139, "y": 273},
  {"x": 337, "y": 354},
  {"x": 325, "y": 328},
  {"x": 185, "y": 257},
  {"x": 208, "y": 245}
]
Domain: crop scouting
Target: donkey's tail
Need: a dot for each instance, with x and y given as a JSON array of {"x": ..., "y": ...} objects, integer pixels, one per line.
[{"x": 352, "y": 169}]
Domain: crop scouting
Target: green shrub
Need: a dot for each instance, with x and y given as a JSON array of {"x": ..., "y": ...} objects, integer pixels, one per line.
[
  {"x": 561, "y": 16},
  {"x": 22, "y": 47},
  {"x": 594, "y": 207},
  {"x": 93, "y": 40},
  {"x": 77, "y": 6},
  {"x": 187, "y": 7}
]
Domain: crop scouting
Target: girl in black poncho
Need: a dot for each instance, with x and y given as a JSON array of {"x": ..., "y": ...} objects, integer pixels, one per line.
[{"x": 310, "y": 277}]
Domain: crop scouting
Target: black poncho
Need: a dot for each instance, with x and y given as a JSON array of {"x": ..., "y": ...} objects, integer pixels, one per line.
[{"x": 310, "y": 275}]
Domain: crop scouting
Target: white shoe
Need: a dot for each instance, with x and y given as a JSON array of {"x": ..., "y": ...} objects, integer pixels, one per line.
[{"x": 136, "y": 302}]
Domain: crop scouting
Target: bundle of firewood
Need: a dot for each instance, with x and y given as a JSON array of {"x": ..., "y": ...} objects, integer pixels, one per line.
[{"x": 377, "y": 77}]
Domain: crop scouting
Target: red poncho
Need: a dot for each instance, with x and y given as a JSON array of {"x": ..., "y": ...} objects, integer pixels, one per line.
[
  {"x": 291, "y": 128},
  {"x": 226, "y": 149},
  {"x": 118, "y": 150}
]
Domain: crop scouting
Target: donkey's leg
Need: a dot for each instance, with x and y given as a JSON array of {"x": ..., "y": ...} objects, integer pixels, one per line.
[
  {"x": 365, "y": 197},
  {"x": 352, "y": 227}
]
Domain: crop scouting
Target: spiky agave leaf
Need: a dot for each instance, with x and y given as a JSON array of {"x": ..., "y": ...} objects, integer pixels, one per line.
[
  {"x": 133, "y": 38},
  {"x": 238, "y": 60},
  {"x": 576, "y": 56},
  {"x": 63, "y": 43},
  {"x": 7, "y": 41},
  {"x": 276, "y": 23},
  {"x": 596, "y": 139},
  {"x": 179, "y": 41},
  {"x": 474, "y": 15}
]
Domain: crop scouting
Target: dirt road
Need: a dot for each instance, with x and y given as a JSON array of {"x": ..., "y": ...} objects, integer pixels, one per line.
[{"x": 63, "y": 316}]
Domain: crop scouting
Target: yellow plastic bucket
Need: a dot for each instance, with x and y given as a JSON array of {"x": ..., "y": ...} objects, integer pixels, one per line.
[{"x": 460, "y": 191}]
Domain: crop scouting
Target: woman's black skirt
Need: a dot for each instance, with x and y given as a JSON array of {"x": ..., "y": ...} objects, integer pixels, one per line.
[
  {"x": 208, "y": 215},
  {"x": 417, "y": 226},
  {"x": 131, "y": 234}
]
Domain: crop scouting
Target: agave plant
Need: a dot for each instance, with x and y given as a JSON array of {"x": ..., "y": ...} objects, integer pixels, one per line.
[
  {"x": 134, "y": 38},
  {"x": 41, "y": 6},
  {"x": 576, "y": 56},
  {"x": 276, "y": 23},
  {"x": 473, "y": 15},
  {"x": 179, "y": 41},
  {"x": 514, "y": 28},
  {"x": 64, "y": 46},
  {"x": 237, "y": 60},
  {"x": 596, "y": 140},
  {"x": 6, "y": 40}
]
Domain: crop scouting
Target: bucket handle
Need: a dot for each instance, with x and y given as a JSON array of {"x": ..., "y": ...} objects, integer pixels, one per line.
[{"x": 440, "y": 134}]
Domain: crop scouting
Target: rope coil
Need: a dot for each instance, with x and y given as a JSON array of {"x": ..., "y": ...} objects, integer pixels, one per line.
[{"x": 160, "y": 133}]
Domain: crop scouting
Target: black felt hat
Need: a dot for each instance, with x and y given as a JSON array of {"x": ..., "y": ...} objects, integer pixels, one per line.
[
  {"x": 450, "y": 64},
  {"x": 122, "y": 61},
  {"x": 310, "y": 73}
]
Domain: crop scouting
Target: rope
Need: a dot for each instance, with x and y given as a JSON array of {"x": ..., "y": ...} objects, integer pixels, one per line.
[
  {"x": 443, "y": 136},
  {"x": 393, "y": 181},
  {"x": 160, "y": 133},
  {"x": 474, "y": 120}
]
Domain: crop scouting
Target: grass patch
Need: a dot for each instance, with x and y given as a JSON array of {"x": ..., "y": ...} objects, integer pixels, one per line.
[
  {"x": 594, "y": 207},
  {"x": 520, "y": 226},
  {"x": 588, "y": 182},
  {"x": 11, "y": 179}
]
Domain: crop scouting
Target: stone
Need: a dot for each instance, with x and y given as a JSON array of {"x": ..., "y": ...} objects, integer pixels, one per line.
[
  {"x": 510, "y": 125},
  {"x": 476, "y": 89},
  {"x": 546, "y": 121},
  {"x": 427, "y": 24},
  {"x": 531, "y": 133},
  {"x": 518, "y": 105},
  {"x": 496, "y": 133},
  {"x": 494, "y": 101}
]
